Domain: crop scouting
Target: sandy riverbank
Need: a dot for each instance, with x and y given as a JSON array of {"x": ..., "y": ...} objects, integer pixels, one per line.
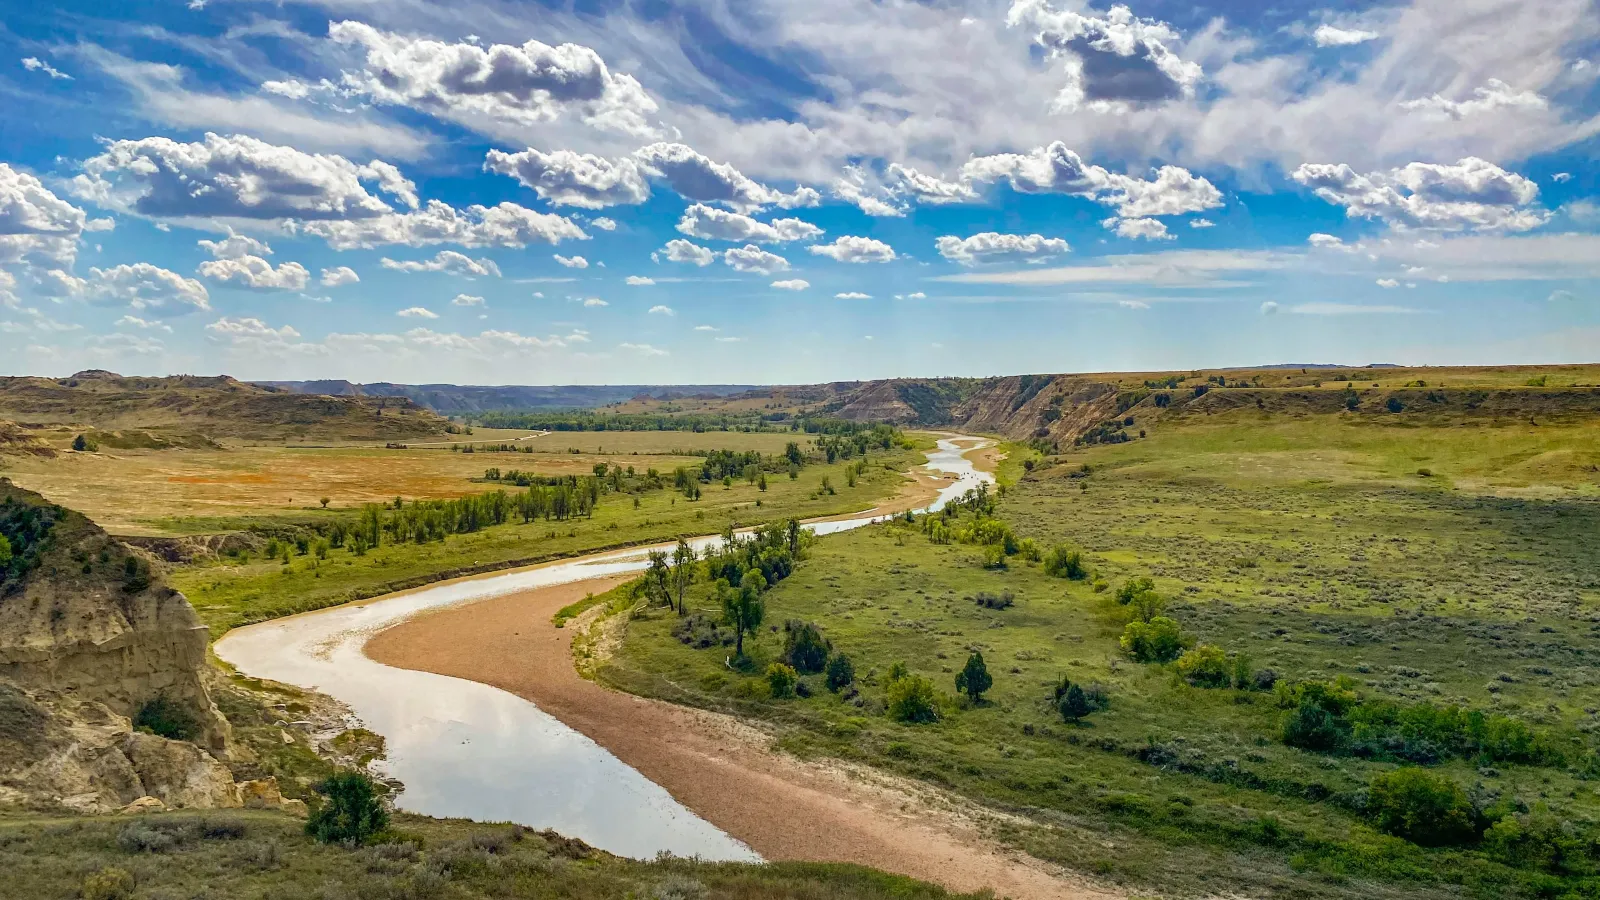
[{"x": 715, "y": 765}]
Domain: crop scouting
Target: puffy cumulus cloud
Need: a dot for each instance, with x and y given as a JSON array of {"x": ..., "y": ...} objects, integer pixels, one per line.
[
  {"x": 914, "y": 295},
  {"x": 642, "y": 349},
  {"x": 147, "y": 288},
  {"x": 1113, "y": 62},
  {"x": 235, "y": 246},
  {"x": 255, "y": 273},
  {"x": 1058, "y": 170},
  {"x": 501, "y": 85},
  {"x": 1269, "y": 308},
  {"x": 855, "y": 187},
  {"x": 249, "y": 330},
  {"x": 502, "y": 225},
  {"x": 34, "y": 64},
  {"x": 853, "y": 249},
  {"x": 338, "y": 276},
  {"x": 1202, "y": 223},
  {"x": 642, "y": 281},
  {"x": 661, "y": 309},
  {"x": 927, "y": 189},
  {"x": 35, "y": 224},
  {"x": 1387, "y": 283},
  {"x": 449, "y": 262},
  {"x": 594, "y": 303},
  {"x": 467, "y": 300},
  {"x": 751, "y": 258},
  {"x": 851, "y": 295},
  {"x": 565, "y": 178},
  {"x": 604, "y": 224},
  {"x": 1333, "y": 36},
  {"x": 682, "y": 251},
  {"x": 1147, "y": 229},
  {"x": 571, "y": 262},
  {"x": 237, "y": 177},
  {"x": 58, "y": 283},
  {"x": 1495, "y": 94},
  {"x": 992, "y": 245},
  {"x": 710, "y": 223},
  {"x": 697, "y": 177},
  {"x": 417, "y": 312},
  {"x": 791, "y": 284},
  {"x": 1326, "y": 242},
  {"x": 142, "y": 324},
  {"x": 1472, "y": 194},
  {"x": 898, "y": 188}
]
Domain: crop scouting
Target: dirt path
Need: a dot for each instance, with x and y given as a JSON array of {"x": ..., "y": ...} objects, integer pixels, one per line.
[{"x": 722, "y": 769}]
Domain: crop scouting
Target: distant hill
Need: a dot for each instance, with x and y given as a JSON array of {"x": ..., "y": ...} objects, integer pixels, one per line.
[
  {"x": 457, "y": 399},
  {"x": 189, "y": 410}
]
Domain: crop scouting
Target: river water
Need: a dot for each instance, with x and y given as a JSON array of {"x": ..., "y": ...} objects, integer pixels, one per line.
[{"x": 468, "y": 750}]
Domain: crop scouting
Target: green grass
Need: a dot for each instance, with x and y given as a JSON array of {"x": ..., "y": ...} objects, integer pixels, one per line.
[
  {"x": 259, "y": 854},
  {"x": 1312, "y": 545},
  {"x": 227, "y": 594}
]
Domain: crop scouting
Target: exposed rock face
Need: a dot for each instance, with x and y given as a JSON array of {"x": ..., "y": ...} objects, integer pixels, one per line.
[{"x": 1054, "y": 407}]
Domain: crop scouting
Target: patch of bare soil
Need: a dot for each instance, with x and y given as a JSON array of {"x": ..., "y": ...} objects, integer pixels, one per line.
[{"x": 723, "y": 769}]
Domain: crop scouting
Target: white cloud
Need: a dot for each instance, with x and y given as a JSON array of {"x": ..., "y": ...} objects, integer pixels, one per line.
[
  {"x": 1168, "y": 268},
  {"x": 236, "y": 177},
  {"x": 417, "y": 312},
  {"x": 142, "y": 324},
  {"x": 642, "y": 349},
  {"x": 1560, "y": 296},
  {"x": 639, "y": 281},
  {"x": 338, "y": 276},
  {"x": 35, "y": 224},
  {"x": 448, "y": 261},
  {"x": 235, "y": 246},
  {"x": 929, "y": 190},
  {"x": 914, "y": 295},
  {"x": 1496, "y": 257},
  {"x": 255, "y": 273},
  {"x": 1111, "y": 63},
  {"x": 502, "y": 88},
  {"x": 571, "y": 262},
  {"x": 730, "y": 340},
  {"x": 751, "y": 258},
  {"x": 990, "y": 245},
  {"x": 143, "y": 287},
  {"x": 706, "y": 328},
  {"x": 852, "y": 295},
  {"x": 1472, "y": 194},
  {"x": 1561, "y": 177},
  {"x": 662, "y": 310},
  {"x": 1132, "y": 304},
  {"x": 594, "y": 303},
  {"x": 1202, "y": 223},
  {"x": 710, "y": 223},
  {"x": 680, "y": 250},
  {"x": 566, "y": 178},
  {"x": 1330, "y": 36},
  {"x": 1326, "y": 241},
  {"x": 696, "y": 177},
  {"x": 603, "y": 223},
  {"x": 1058, "y": 170},
  {"x": 503, "y": 225},
  {"x": 250, "y": 330},
  {"x": 1387, "y": 283},
  {"x": 854, "y": 249},
  {"x": 33, "y": 64},
  {"x": 792, "y": 284},
  {"x": 1148, "y": 229},
  {"x": 1495, "y": 94},
  {"x": 467, "y": 300}
]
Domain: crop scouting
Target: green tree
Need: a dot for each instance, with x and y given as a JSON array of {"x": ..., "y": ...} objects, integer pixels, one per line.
[
  {"x": 657, "y": 580},
  {"x": 742, "y": 607},
  {"x": 1421, "y": 807},
  {"x": 974, "y": 678},
  {"x": 911, "y": 699},
  {"x": 1159, "y": 640},
  {"x": 82, "y": 444},
  {"x": 5, "y": 552},
  {"x": 761, "y": 483},
  {"x": 683, "y": 560},
  {"x": 1206, "y": 666},
  {"x": 324, "y": 502},
  {"x": 804, "y": 647},
  {"x": 1064, "y": 562},
  {"x": 1074, "y": 704},
  {"x": 781, "y": 680},
  {"x": 840, "y": 673},
  {"x": 1132, "y": 588},
  {"x": 350, "y": 811}
]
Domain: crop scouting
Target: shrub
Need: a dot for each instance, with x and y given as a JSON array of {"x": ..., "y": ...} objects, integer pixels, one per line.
[
  {"x": 161, "y": 716},
  {"x": 1074, "y": 704},
  {"x": 804, "y": 647},
  {"x": 1064, "y": 562},
  {"x": 781, "y": 680},
  {"x": 350, "y": 811},
  {"x": 1310, "y": 727},
  {"x": 994, "y": 557},
  {"x": 1134, "y": 587},
  {"x": 974, "y": 678},
  {"x": 1421, "y": 807},
  {"x": 144, "y": 837},
  {"x": 1159, "y": 640},
  {"x": 911, "y": 700},
  {"x": 109, "y": 883},
  {"x": 1243, "y": 672},
  {"x": 841, "y": 672},
  {"x": 1206, "y": 666},
  {"x": 1394, "y": 405},
  {"x": 1003, "y": 600},
  {"x": 1539, "y": 840}
]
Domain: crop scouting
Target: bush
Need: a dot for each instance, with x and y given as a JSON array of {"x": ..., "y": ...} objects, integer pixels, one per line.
[
  {"x": 994, "y": 557},
  {"x": 841, "y": 672},
  {"x": 1424, "y": 808},
  {"x": 1134, "y": 587},
  {"x": 108, "y": 884},
  {"x": 804, "y": 647},
  {"x": 161, "y": 716},
  {"x": 1539, "y": 840},
  {"x": 1159, "y": 640},
  {"x": 1064, "y": 562},
  {"x": 1074, "y": 705},
  {"x": 911, "y": 699},
  {"x": 1310, "y": 727},
  {"x": 1206, "y": 666},
  {"x": 974, "y": 678},
  {"x": 145, "y": 837},
  {"x": 350, "y": 812},
  {"x": 781, "y": 680},
  {"x": 1003, "y": 600}
]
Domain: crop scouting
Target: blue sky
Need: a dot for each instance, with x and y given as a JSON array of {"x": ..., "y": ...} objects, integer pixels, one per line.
[{"x": 763, "y": 191}]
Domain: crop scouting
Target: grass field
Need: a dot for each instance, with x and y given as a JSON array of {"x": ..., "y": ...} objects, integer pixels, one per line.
[
  {"x": 178, "y": 492},
  {"x": 1310, "y": 544},
  {"x": 227, "y": 593}
]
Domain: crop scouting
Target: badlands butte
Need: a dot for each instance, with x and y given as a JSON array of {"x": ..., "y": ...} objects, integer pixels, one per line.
[{"x": 1303, "y": 631}]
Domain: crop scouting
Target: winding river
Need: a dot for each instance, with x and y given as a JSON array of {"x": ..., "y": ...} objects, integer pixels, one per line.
[{"x": 468, "y": 750}]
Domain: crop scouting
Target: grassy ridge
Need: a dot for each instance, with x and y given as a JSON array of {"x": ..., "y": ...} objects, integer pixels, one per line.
[{"x": 1310, "y": 544}]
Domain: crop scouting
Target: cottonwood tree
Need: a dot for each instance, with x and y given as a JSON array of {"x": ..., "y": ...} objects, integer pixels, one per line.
[
  {"x": 683, "y": 560},
  {"x": 742, "y": 607},
  {"x": 657, "y": 578}
]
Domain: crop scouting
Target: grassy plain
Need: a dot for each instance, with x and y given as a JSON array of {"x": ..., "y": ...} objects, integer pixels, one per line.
[
  {"x": 1311, "y": 544},
  {"x": 227, "y": 593},
  {"x": 259, "y": 854}
]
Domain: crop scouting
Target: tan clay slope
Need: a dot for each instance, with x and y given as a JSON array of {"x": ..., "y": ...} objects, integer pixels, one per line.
[{"x": 216, "y": 407}]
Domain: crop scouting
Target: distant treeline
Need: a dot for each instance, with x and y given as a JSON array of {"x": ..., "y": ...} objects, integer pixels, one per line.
[{"x": 579, "y": 420}]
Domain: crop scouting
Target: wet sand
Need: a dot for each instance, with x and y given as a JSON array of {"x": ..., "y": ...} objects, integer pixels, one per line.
[{"x": 722, "y": 769}]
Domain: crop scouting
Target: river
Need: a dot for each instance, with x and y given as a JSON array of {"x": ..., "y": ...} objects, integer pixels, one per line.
[{"x": 468, "y": 750}]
